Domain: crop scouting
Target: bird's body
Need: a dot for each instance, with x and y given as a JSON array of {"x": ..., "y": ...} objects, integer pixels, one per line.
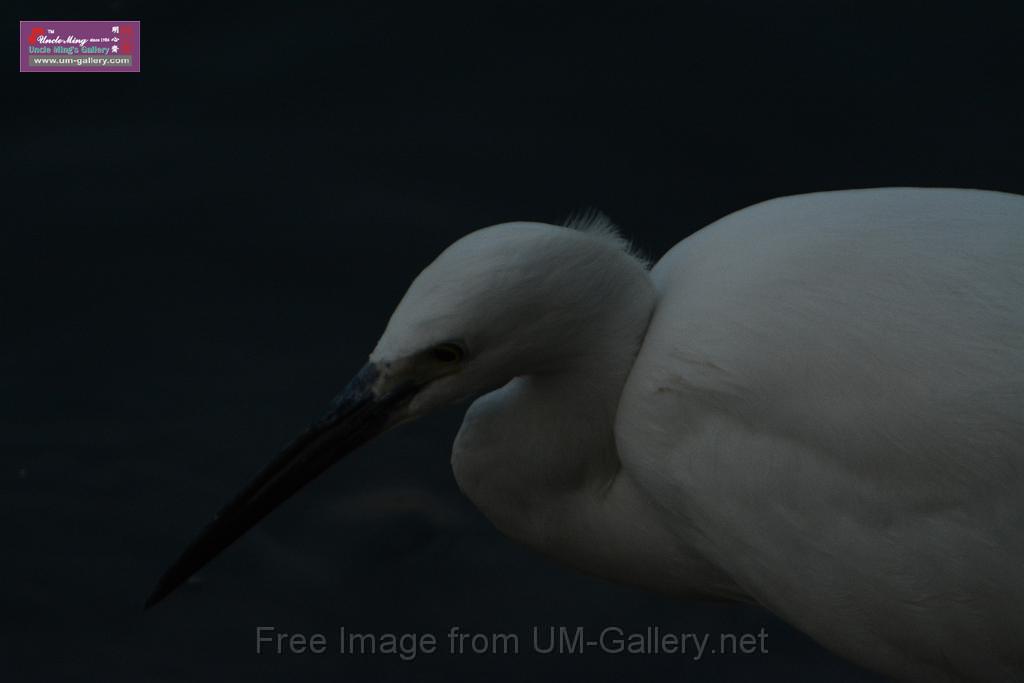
[
  {"x": 815, "y": 404},
  {"x": 850, "y": 369},
  {"x": 824, "y": 416}
]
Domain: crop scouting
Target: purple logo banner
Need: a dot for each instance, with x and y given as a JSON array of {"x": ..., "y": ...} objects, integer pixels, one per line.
[{"x": 80, "y": 46}]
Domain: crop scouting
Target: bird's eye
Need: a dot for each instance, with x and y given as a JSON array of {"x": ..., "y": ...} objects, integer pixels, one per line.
[{"x": 447, "y": 353}]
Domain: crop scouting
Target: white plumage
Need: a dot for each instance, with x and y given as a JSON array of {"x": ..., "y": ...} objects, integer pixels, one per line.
[
  {"x": 815, "y": 404},
  {"x": 844, "y": 373}
]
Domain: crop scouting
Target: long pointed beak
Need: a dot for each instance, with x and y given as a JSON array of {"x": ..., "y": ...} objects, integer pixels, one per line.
[{"x": 356, "y": 416}]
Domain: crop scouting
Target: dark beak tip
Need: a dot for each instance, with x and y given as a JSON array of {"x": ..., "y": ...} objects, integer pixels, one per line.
[
  {"x": 161, "y": 591},
  {"x": 152, "y": 600}
]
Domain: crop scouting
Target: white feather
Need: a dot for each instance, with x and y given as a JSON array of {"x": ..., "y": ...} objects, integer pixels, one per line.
[{"x": 815, "y": 404}]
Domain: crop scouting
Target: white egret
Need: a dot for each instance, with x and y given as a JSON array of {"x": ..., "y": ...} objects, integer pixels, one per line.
[{"x": 814, "y": 404}]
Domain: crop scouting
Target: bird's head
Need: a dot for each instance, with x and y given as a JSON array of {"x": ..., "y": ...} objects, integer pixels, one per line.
[
  {"x": 500, "y": 302},
  {"x": 503, "y": 301}
]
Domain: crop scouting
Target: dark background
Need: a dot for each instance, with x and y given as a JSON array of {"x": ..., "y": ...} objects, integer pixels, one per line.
[{"x": 195, "y": 258}]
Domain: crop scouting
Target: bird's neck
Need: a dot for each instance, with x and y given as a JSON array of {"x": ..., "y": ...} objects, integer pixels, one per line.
[
  {"x": 539, "y": 458},
  {"x": 551, "y": 429}
]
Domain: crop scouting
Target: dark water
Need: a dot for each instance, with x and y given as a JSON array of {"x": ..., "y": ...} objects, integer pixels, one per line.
[{"x": 194, "y": 259}]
